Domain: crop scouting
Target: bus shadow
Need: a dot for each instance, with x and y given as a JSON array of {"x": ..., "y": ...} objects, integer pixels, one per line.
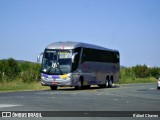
[
  {"x": 94, "y": 87},
  {"x": 90, "y": 88}
]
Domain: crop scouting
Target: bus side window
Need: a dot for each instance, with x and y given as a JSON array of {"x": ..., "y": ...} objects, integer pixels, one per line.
[{"x": 77, "y": 58}]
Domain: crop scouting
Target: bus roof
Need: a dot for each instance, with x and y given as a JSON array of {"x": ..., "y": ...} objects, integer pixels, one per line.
[{"x": 72, "y": 45}]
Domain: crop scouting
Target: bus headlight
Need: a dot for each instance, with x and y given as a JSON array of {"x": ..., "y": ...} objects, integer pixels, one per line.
[
  {"x": 42, "y": 77},
  {"x": 69, "y": 75},
  {"x": 65, "y": 76}
]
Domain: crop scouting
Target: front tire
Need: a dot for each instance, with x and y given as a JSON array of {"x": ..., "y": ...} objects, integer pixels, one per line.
[{"x": 53, "y": 87}]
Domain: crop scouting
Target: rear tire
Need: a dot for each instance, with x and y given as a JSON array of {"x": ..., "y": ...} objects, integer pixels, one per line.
[
  {"x": 53, "y": 87},
  {"x": 110, "y": 83}
]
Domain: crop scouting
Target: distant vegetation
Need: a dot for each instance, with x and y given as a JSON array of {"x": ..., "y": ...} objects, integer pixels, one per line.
[
  {"x": 12, "y": 70},
  {"x": 16, "y": 73},
  {"x": 138, "y": 74}
]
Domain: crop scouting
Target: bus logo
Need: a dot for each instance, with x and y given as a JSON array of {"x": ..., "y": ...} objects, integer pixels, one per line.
[{"x": 54, "y": 65}]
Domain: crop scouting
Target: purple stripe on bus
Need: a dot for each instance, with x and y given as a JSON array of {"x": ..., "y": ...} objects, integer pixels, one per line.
[{"x": 56, "y": 76}]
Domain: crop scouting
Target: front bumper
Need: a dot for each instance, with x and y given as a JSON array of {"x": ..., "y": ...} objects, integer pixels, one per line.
[{"x": 56, "y": 80}]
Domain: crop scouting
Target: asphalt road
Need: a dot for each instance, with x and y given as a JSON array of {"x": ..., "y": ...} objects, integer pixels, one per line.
[{"x": 129, "y": 97}]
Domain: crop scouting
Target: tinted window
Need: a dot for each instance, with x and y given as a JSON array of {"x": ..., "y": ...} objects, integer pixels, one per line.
[{"x": 99, "y": 56}]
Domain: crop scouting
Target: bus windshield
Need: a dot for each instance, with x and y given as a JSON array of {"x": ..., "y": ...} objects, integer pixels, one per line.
[{"x": 56, "y": 62}]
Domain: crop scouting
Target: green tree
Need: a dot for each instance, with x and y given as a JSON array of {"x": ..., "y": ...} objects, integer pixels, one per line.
[
  {"x": 30, "y": 72},
  {"x": 154, "y": 72},
  {"x": 141, "y": 71},
  {"x": 9, "y": 68}
]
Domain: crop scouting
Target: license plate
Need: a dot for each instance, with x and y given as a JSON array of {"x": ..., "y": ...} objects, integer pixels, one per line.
[{"x": 54, "y": 83}]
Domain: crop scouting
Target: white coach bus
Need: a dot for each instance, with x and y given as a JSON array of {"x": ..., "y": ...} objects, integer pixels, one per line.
[{"x": 79, "y": 64}]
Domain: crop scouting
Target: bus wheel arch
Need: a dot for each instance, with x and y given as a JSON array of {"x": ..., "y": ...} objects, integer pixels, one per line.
[
  {"x": 107, "y": 81},
  {"x": 80, "y": 82}
]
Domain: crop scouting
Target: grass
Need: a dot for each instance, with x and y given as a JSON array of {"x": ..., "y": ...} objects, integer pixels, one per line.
[
  {"x": 18, "y": 85},
  {"x": 128, "y": 80}
]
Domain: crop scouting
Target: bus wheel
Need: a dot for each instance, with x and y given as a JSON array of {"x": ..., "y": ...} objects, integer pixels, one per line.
[
  {"x": 80, "y": 85},
  {"x": 87, "y": 86},
  {"x": 53, "y": 87},
  {"x": 110, "y": 83}
]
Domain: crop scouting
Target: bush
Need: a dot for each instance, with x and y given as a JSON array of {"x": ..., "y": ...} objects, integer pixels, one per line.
[
  {"x": 155, "y": 72},
  {"x": 13, "y": 70},
  {"x": 30, "y": 72},
  {"x": 9, "y": 69},
  {"x": 0, "y": 76},
  {"x": 141, "y": 71}
]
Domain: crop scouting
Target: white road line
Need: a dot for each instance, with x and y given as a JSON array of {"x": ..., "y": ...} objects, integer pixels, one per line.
[
  {"x": 152, "y": 88},
  {"x": 8, "y": 105}
]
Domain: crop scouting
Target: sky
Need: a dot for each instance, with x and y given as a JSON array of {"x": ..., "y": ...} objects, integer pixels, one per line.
[{"x": 130, "y": 26}]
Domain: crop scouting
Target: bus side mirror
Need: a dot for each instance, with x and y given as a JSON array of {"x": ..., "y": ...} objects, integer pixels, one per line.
[
  {"x": 73, "y": 56},
  {"x": 38, "y": 57}
]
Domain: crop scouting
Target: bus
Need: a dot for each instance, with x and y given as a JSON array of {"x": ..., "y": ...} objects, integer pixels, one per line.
[{"x": 79, "y": 65}]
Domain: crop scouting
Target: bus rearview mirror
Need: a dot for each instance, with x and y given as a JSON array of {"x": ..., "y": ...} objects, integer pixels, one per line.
[
  {"x": 73, "y": 56},
  {"x": 38, "y": 57}
]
